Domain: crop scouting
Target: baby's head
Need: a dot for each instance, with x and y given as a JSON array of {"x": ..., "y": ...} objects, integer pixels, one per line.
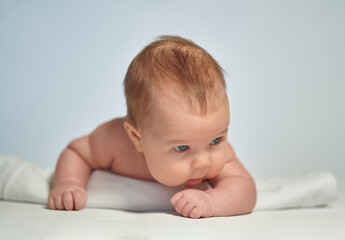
[
  {"x": 172, "y": 64},
  {"x": 178, "y": 111}
]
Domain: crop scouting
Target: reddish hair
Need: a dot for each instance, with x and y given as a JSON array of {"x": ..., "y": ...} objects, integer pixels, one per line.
[{"x": 170, "y": 59}]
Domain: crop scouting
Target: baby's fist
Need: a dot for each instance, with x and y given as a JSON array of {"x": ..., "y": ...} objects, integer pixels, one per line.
[
  {"x": 67, "y": 197},
  {"x": 193, "y": 203}
]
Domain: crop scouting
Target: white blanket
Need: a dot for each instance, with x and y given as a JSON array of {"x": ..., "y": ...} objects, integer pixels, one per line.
[{"x": 22, "y": 181}]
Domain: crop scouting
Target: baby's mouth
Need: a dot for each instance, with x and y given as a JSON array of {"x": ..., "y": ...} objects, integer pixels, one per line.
[{"x": 194, "y": 182}]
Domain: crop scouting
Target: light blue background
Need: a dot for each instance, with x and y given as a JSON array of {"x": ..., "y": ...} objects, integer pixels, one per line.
[{"x": 62, "y": 64}]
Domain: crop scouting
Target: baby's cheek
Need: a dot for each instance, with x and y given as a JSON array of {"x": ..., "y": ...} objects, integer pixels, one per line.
[
  {"x": 218, "y": 164},
  {"x": 171, "y": 175}
]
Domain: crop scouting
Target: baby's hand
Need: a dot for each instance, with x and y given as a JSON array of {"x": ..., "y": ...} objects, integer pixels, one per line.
[
  {"x": 193, "y": 203},
  {"x": 68, "y": 196}
]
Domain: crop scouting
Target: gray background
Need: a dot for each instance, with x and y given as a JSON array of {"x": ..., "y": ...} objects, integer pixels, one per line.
[{"x": 62, "y": 64}]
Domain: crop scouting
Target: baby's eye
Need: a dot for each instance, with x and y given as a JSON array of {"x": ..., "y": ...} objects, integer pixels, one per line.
[
  {"x": 215, "y": 141},
  {"x": 181, "y": 148}
]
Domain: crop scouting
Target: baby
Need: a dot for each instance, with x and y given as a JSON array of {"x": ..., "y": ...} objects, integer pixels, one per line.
[{"x": 175, "y": 133}]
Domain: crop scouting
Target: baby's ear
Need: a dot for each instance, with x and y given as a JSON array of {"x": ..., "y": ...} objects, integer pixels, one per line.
[{"x": 133, "y": 134}]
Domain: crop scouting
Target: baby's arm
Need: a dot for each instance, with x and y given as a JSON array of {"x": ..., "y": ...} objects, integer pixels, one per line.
[
  {"x": 233, "y": 193},
  {"x": 74, "y": 167},
  {"x": 71, "y": 176}
]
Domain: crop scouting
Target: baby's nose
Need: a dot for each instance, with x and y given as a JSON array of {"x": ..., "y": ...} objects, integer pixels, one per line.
[{"x": 201, "y": 161}]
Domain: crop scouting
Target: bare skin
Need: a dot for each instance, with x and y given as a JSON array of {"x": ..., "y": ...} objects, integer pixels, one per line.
[
  {"x": 95, "y": 151},
  {"x": 179, "y": 147}
]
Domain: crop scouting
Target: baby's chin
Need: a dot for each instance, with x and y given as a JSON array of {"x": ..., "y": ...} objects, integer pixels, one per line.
[
  {"x": 172, "y": 183},
  {"x": 185, "y": 184}
]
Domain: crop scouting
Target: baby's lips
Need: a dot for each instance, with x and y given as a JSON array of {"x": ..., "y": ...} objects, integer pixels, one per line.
[{"x": 194, "y": 182}]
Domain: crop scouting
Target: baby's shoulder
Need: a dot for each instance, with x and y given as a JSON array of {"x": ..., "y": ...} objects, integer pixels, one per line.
[
  {"x": 110, "y": 129},
  {"x": 108, "y": 138},
  {"x": 113, "y": 127}
]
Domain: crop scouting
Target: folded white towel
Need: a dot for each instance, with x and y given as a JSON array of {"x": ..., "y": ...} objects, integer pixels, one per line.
[
  {"x": 297, "y": 190},
  {"x": 23, "y": 181}
]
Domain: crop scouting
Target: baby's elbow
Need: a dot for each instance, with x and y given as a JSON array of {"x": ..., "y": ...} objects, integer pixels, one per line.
[{"x": 250, "y": 198}]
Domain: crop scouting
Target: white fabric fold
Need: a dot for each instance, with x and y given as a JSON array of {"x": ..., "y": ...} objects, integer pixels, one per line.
[
  {"x": 297, "y": 190},
  {"x": 23, "y": 181}
]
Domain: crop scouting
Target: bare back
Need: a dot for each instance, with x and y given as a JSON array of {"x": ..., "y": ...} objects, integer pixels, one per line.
[{"x": 112, "y": 149}]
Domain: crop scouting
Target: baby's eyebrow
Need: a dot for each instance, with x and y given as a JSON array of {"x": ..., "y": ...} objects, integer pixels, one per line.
[
  {"x": 172, "y": 141},
  {"x": 224, "y": 131}
]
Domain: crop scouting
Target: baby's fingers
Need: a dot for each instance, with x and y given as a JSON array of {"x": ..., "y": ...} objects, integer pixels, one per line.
[
  {"x": 182, "y": 205},
  {"x": 67, "y": 200},
  {"x": 79, "y": 199},
  {"x": 174, "y": 199},
  {"x": 187, "y": 209},
  {"x": 196, "y": 212},
  {"x": 51, "y": 203},
  {"x": 58, "y": 202}
]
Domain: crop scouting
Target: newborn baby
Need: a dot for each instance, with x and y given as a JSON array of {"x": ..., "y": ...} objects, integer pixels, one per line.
[{"x": 175, "y": 133}]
